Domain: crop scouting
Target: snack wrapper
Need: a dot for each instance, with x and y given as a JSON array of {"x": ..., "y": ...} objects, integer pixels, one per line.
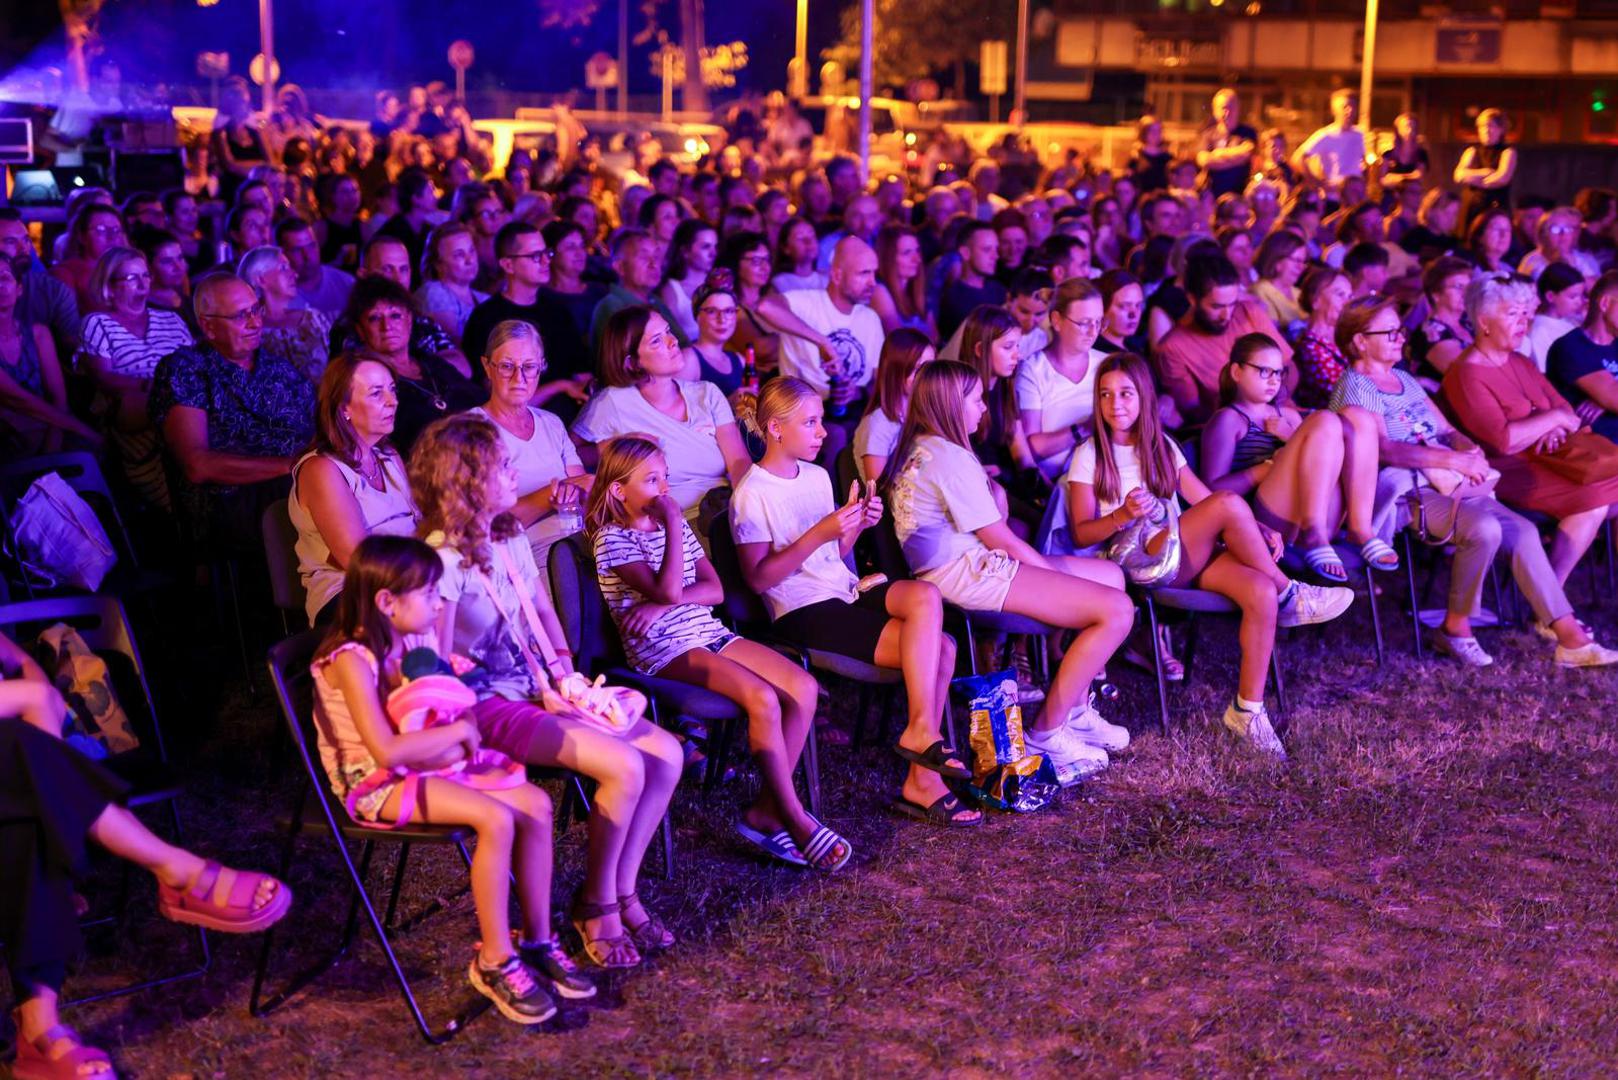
[{"x": 1004, "y": 774}]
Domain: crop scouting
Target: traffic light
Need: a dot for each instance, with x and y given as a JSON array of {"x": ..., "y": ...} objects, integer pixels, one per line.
[{"x": 1598, "y": 101}]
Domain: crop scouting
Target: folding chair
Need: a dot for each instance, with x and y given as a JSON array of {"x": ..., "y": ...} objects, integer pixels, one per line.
[
  {"x": 286, "y": 584},
  {"x": 745, "y": 611},
  {"x": 101, "y": 622},
  {"x": 1194, "y": 602},
  {"x": 597, "y": 651},
  {"x": 294, "y": 691}
]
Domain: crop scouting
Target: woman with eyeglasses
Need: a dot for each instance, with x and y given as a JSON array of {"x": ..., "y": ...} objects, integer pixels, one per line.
[
  {"x": 1322, "y": 295},
  {"x": 551, "y": 480},
  {"x": 1281, "y": 261},
  {"x": 429, "y": 387},
  {"x": 352, "y": 482},
  {"x": 1055, "y": 387},
  {"x": 96, "y": 229},
  {"x": 707, "y": 358},
  {"x": 1558, "y": 242},
  {"x": 1421, "y": 452},
  {"x": 301, "y": 334},
  {"x": 120, "y": 343},
  {"x": 1302, "y": 472}
]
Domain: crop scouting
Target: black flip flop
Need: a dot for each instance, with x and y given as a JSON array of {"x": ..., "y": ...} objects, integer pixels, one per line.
[
  {"x": 946, "y": 810},
  {"x": 935, "y": 759}
]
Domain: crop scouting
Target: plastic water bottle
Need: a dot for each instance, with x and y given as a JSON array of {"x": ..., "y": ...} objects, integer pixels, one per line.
[
  {"x": 570, "y": 518},
  {"x": 749, "y": 372}
]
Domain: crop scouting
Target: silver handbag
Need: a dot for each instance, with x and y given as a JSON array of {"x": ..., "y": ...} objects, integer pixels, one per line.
[{"x": 1129, "y": 548}]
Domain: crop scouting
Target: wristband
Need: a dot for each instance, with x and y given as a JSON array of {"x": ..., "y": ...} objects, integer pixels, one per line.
[{"x": 1073, "y": 429}]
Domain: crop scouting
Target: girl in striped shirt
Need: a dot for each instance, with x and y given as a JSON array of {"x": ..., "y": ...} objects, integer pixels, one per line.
[{"x": 661, "y": 590}]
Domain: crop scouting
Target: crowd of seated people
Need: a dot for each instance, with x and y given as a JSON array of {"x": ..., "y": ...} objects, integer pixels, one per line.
[{"x": 1225, "y": 368}]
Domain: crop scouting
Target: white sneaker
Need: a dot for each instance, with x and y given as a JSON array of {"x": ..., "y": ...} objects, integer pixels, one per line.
[
  {"x": 1465, "y": 649},
  {"x": 1544, "y": 630},
  {"x": 1314, "y": 604},
  {"x": 1071, "y": 757},
  {"x": 1255, "y": 728},
  {"x": 1088, "y": 725},
  {"x": 1589, "y": 655}
]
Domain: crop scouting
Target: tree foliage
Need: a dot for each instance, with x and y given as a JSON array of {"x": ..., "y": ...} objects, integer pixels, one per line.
[{"x": 917, "y": 38}]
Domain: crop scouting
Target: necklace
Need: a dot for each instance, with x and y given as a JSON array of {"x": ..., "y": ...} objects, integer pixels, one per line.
[
  {"x": 434, "y": 395},
  {"x": 374, "y": 475}
]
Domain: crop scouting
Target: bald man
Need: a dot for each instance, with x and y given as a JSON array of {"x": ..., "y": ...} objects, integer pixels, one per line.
[{"x": 841, "y": 313}]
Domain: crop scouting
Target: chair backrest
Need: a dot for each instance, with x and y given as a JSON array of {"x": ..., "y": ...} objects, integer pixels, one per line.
[
  {"x": 294, "y": 686},
  {"x": 280, "y": 538},
  {"x": 743, "y": 608},
  {"x": 580, "y": 606},
  {"x": 846, "y": 468},
  {"x": 101, "y": 622},
  {"x": 81, "y": 471}
]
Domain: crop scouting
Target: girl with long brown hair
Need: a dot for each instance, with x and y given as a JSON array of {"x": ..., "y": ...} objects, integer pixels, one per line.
[
  {"x": 956, "y": 538},
  {"x": 900, "y": 299},
  {"x": 463, "y": 481},
  {"x": 903, "y": 354},
  {"x": 1130, "y": 471}
]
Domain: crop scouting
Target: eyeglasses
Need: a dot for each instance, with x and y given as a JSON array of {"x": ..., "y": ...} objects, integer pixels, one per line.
[
  {"x": 388, "y": 315},
  {"x": 757, "y": 260},
  {"x": 1268, "y": 374},
  {"x": 243, "y": 317},
  {"x": 718, "y": 312},
  {"x": 528, "y": 372},
  {"x": 1081, "y": 324},
  {"x": 132, "y": 278},
  {"x": 1397, "y": 333},
  {"x": 542, "y": 255}
]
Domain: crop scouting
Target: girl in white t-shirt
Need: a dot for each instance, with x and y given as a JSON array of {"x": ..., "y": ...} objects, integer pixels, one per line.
[
  {"x": 661, "y": 590},
  {"x": 902, "y": 356},
  {"x": 791, "y": 542},
  {"x": 1129, "y": 470},
  {"x": 1056, "y": 387},
  {"x": 955, "y": 537}
]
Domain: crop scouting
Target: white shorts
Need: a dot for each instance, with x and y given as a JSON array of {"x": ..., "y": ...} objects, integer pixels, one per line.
[{"x": 976, "y": 581}]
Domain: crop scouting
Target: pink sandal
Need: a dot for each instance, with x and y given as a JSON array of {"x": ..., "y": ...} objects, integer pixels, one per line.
[
  {"x": 205, "y": 904},
  {"x": 34, "y": 1062}
]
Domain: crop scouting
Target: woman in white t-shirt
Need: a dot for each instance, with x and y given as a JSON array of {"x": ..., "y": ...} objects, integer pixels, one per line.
[
  {"x": 639, "y": 365},
  {"x": 1056, "y": 387},
  {"x": 1130, "y": 471},
  {"x": 903, "y": 354},
  {"x": 791, "y": 540},
  {"x": 955, "y": 537},
  {"x": 551, "y": 481}
]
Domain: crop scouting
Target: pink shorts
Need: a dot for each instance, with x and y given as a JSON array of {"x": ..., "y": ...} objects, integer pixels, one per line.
[{"x": 511, "y": 726}]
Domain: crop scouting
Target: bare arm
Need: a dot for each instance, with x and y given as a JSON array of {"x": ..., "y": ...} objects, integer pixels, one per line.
[
  {"x": 775, "y": 314},
  {"x": 1086, "y": 525},
  {"x": 882, "y": 303},
  {"x": 390, "y": 749},
  {"x": 186, "y": 431},
  {"x": 18, "y": 398},
  {"x": 1000, "y": 537},
  {"x": 1044, "y": 444},
  {"x": 1601, "y": 388},
  {"x": 336, "y": 513},
  {"x": 734, "y": 449},
  {"x": 536, "y": 504}
]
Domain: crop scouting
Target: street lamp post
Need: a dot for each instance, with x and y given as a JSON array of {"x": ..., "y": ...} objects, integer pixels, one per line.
[
  {"x": 867, "y": 34},
  {"x": 266, "y": 46},
  {"x": 1020, "y": 97},
  {"x": 800, "y": 56},
  {"x": 623, "y": 58},
  {"x": 1367, "y": 66}
]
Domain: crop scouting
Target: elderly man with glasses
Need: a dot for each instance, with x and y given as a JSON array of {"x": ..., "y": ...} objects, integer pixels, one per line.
[{"x": 233, "y": 418}]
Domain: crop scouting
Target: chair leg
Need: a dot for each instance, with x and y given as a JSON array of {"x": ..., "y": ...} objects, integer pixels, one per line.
[
  {"x": 1193, "y": 634},
  {"x": 811, "y": 769},
  {"x": 861, "y": 711},
  {"x": 1376, "y": 616},
  {"x": 1280, "y": 684},
  {"x": 236, "y": 619},
  {"x": 398, "y": 885},
  {"x": 667, "y": 829},
  {"x": 1157, "y": 669},
  {"x": 1410, "y": 580}
]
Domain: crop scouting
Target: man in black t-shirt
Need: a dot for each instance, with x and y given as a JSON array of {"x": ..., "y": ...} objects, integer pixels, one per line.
[
  {"x": 980, "y": 254},
  {"x": 1225, "y": 152}
]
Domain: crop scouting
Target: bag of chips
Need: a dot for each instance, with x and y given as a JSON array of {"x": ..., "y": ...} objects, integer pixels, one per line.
[{"x": 1004, "y": 774}]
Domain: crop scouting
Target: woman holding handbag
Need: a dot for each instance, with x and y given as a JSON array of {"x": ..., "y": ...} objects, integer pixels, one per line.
[
  {"x": 1549, "y": 461},
  {"x": 1451, "y": 493},
  {"x": 532, "y": 706}
]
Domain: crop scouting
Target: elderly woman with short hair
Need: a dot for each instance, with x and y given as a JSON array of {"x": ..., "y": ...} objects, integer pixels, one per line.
[
  {"x": 301, "y": 334},
  {"x": 1549, "y": 462},
  {"x": 1420, "y": 451}
]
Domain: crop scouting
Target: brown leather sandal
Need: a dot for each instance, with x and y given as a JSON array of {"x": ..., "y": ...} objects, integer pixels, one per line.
[
  {"x": 650, "y": 936},
  {"x": 615, "y": 952}
]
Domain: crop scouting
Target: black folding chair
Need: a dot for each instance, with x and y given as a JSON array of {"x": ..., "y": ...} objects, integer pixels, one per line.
[
  {"x": 294, "y": 691},
  {"x": 281, "y": 559},
  {"x": 597, "y": 651},
  {"x": 1191, "y": 603},
  {"x": 745, "y": 611},
  {"x": 102, "y": 623}
]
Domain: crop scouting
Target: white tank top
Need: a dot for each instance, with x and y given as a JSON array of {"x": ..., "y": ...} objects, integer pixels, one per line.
[{"x": 391, "y": 511}]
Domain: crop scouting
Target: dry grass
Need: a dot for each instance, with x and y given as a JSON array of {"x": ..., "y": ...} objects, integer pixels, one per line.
[{"x": 1426, "y": 890}]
